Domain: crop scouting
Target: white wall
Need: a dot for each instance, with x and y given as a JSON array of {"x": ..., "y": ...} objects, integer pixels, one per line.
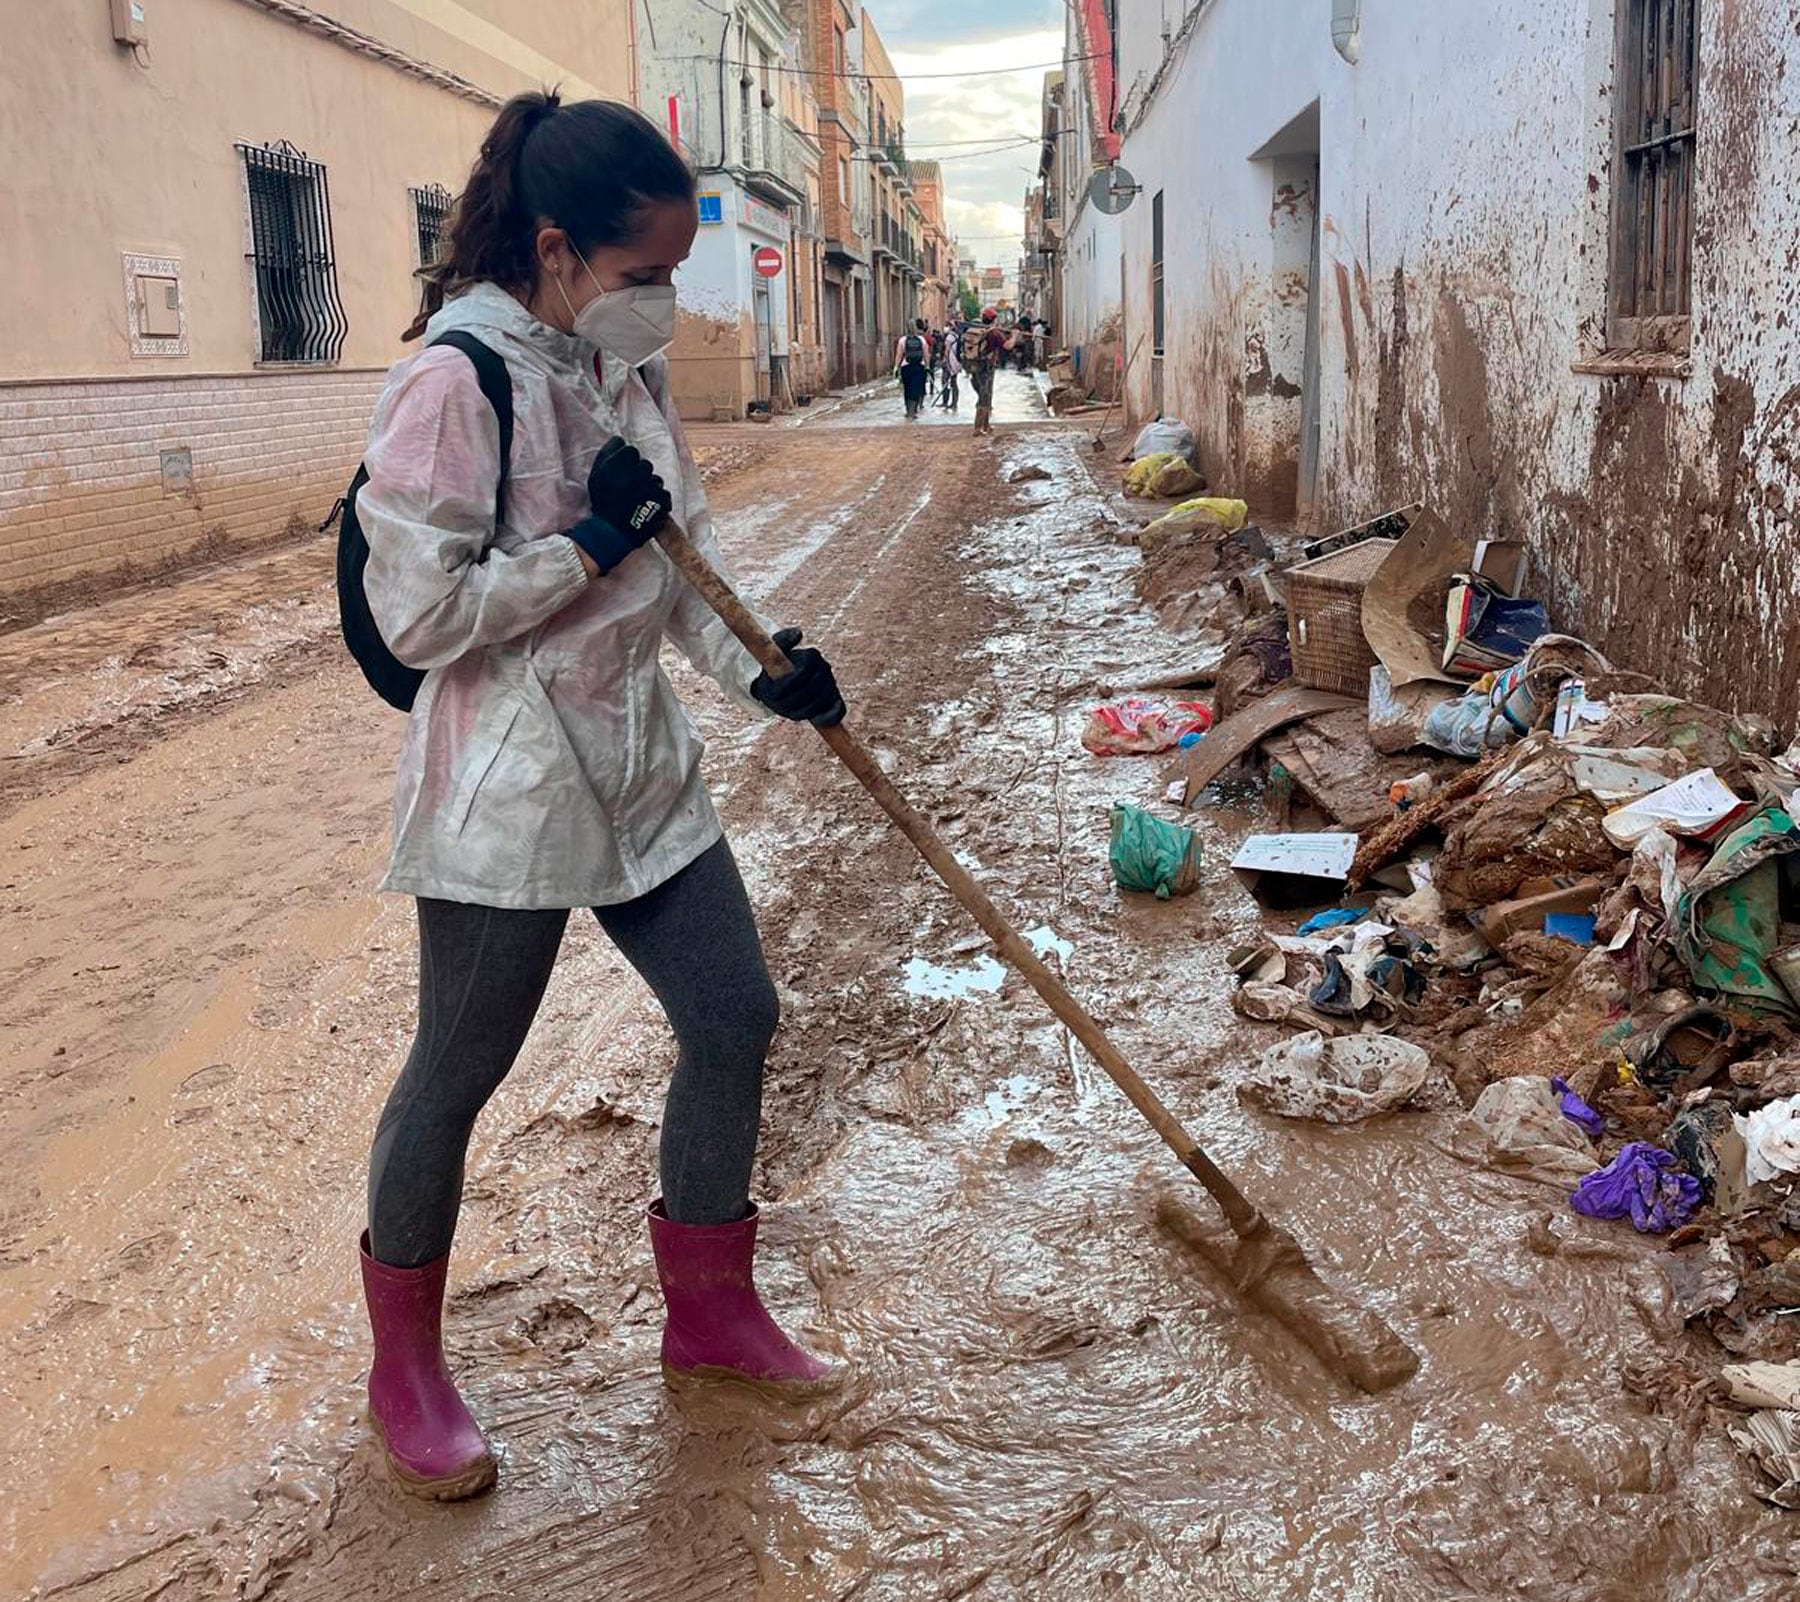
[
  {"x": 1465, "y": 193},
  {"x": 1093, "y": 241}
]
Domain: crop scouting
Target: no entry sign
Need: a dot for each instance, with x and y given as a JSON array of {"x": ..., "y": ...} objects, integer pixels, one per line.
[{"x": 767, "y": 261}]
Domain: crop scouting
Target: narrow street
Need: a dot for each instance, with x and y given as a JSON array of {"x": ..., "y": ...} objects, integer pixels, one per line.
[{"x": 205, "y": 1003}]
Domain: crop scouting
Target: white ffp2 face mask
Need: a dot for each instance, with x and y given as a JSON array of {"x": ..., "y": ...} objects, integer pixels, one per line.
[{"x": 633, "y": 324}]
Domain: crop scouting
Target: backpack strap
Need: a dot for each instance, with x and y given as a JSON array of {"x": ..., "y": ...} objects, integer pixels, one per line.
[{"x": 496, "y": 384}]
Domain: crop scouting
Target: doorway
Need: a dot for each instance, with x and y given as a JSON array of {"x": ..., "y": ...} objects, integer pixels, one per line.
[
  {"x": 1281, "y": 374},
  {"x": 763, "y": 314}
]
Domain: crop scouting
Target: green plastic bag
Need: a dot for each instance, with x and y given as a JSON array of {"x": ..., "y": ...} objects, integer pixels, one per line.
[
  {"x": 1729, "y": 919},
  {"x": 1159, "y": 858}
]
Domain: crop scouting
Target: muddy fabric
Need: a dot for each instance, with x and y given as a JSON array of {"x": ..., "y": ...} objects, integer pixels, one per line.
[
  {"x": 548, "y": 761},
  {"x": 482, "y": 974}
]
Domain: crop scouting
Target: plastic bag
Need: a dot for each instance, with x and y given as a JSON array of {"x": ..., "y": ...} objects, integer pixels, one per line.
[
  {"x": 1643, "y": 1183},
  {"x": 1166, "y": 475},
  {"x": 1137, "y": 727},
  {"x": 1175, "y": 479},
  {"x": 1161, "y": 859},
  {"x": 1338, "y": 1081},
  {"x": 1728, "y": 922},
  {"x": 1167, "y": 436},
  {"x": 1139, "y": 474},
  {"x": 1497, "y": 711},
  {"x": 1204, "y": 512},
  {"x": 1771, "y": 1140},
  {"x": 1397, "y": 717},
  {"x": 1525, "y": 1114}
]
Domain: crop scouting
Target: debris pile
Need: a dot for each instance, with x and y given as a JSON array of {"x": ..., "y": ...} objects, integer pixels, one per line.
[{"x": 1573, "y": 896}]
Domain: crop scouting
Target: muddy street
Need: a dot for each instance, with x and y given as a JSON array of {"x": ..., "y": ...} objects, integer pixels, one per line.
[{"x": 206, "y": 1003}]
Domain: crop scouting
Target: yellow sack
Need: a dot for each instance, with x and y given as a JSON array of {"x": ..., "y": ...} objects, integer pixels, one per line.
[
  {"x": 1178, "y": 478},
  {"x": 1231, "y": 515},
  {"x": 1144, "y": 469},
  {"x": 1210, "y": 515}
]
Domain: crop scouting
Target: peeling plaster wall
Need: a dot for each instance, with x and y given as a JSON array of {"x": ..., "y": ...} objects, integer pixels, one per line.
[{"x": 1465, "y": 195}]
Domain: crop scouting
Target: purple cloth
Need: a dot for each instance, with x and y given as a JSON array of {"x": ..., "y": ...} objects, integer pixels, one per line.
[
  {"x": 1643, "y": 1182},
  {"x": 1577, "y": 1111}
]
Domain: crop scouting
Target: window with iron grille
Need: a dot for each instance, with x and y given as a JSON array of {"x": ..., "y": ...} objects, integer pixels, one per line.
[
  {"x": 1653, "y": 176},
  {"x": 431, "y": 221},
  {"x": 299, "y": 317}
]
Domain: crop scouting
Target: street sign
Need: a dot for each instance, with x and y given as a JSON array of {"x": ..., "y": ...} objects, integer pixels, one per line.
[
  {"x": 1112, "y": 189},
  {"x": 767, "y": 261}
]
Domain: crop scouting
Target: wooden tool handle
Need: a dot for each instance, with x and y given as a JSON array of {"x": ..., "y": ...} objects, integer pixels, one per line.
[{"x": 719, "y": 595}]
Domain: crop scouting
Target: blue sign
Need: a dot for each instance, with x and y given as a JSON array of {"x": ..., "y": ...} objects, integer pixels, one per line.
[{"x": 712, "y": 209}]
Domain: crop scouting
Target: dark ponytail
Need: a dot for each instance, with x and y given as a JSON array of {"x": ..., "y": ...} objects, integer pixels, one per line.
[{"x": 588, "y": 168}]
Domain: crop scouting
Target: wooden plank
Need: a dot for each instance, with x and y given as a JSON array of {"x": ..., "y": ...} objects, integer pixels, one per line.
[{"x": 1237, "y": 736}]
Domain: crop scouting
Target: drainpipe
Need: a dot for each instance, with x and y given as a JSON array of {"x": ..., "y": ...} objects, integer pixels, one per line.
[{"x": 1346, "y": 29}]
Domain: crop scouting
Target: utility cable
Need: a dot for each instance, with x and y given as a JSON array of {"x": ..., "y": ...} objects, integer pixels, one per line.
[{"x": 884, "y": 77}]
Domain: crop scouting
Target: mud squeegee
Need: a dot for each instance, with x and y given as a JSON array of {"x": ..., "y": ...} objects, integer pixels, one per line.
[{"x": 1262, "y": 1260}]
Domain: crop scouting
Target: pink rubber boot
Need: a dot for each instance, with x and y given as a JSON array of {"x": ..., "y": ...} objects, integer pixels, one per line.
[
  {"x": 718, "y": 1328},
  {"x": 434, "y": 1447}
]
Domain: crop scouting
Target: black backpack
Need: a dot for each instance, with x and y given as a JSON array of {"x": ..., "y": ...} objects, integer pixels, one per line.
[
  {"x": 388, "y": 676},
  {"x": 915, "y": 350}
]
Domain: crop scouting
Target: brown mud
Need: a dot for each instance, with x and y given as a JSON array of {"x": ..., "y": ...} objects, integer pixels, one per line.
[{"x": 1052, "y": 1398}]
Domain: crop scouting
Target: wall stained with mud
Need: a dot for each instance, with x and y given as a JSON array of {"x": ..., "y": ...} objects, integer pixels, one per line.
[{"x": 1465, "y": 193}]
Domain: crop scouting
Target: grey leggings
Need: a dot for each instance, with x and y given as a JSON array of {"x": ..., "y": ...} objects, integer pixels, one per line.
[{"x": 482, "y": 973}]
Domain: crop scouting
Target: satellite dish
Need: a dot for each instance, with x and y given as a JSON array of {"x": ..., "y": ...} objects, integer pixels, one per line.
[{"x": 1112, "y": 189}]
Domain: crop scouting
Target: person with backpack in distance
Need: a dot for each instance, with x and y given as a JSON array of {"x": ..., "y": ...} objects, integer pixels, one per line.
[
  {"x": 912, "y": 365},
  {"x": 983, "y": 353},
  {"x": 518, "y": 468},
  {"x": 949, "y": 400}
]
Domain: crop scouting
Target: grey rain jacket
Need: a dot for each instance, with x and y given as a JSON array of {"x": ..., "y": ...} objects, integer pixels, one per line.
[{"x": 548, "y": 761}]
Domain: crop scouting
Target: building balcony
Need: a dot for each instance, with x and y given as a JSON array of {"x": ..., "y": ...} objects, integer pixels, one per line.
[{"x": 774, "y": 161}]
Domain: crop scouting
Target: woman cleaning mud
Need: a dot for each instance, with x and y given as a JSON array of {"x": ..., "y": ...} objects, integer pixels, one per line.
[{"x": 548, "y": 764}]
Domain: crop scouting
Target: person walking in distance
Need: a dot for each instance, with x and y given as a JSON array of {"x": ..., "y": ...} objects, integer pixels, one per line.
[
  {"x": 984, "y": 349},
  {"x": 912, "y": 364},
  {"x": 949, "y": 400},
  {"x": 548, "y": 764}
]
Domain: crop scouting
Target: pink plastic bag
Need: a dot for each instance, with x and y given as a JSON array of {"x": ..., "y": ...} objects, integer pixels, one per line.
[{"x": 1136, "y": 727}]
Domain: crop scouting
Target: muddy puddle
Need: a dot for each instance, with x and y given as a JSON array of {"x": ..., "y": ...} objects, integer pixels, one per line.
[{"x": 1051, "y": 1398}]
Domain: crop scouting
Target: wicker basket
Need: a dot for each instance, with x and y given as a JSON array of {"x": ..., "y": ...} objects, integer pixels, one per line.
[{"x": 1325, "y": 631}]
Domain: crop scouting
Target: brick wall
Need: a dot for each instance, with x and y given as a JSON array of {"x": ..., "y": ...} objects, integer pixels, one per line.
[{"x": 83, "y": 493}]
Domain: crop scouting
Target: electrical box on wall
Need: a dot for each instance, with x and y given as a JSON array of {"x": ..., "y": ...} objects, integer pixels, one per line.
[
  {"x": 129, "y": 25},
  {"x": 156, "y": 317},
  {"x": 159, "y": 307}
]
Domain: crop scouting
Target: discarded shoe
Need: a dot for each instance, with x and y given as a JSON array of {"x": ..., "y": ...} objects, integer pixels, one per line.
[
  {"x": 718, "y": 1328},
  {"x": 434, "y": 1446}
]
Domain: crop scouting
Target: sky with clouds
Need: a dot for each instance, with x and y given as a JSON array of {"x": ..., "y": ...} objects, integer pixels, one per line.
[{"x": 949, "y": 118}]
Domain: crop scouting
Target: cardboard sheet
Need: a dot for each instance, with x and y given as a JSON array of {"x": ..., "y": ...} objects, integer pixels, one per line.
[{"x": 1403, "y": 605}]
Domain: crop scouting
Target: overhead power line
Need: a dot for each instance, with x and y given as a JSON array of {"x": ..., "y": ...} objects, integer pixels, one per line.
[
  {"x": 967, "y": 155},
  {"x": 878, "y": 77}
]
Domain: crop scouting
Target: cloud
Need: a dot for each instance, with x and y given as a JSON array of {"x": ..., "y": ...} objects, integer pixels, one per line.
[{"x": 947, "y": 118}]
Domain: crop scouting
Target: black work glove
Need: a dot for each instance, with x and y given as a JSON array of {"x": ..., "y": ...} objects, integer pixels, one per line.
[
  {"x": 629, "y": 502},
  {"x": 809, "y": 694}
]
